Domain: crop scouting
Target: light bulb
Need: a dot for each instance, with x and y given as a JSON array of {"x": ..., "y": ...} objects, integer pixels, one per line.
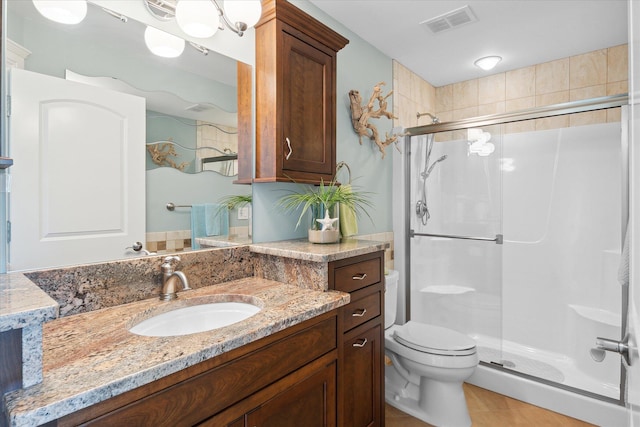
[
  {"x": 197, "y": 18},
  {"x": 488, "y": 62},
  {"x": 246, "y": 11},
  {"x": 163, "y": 44},
  {"x": 62, "y": 11}
]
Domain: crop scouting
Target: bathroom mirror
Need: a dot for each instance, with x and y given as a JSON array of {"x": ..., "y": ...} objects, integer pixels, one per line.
[{"x": 190, "y": 101}]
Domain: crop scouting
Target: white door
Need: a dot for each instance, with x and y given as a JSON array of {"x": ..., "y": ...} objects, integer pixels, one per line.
[
  {"x": 77, "y": 186},
  {"x": 633, "y": 372}
]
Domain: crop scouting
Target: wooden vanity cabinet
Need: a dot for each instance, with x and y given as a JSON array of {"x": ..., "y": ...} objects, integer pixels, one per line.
[
  {"x": 361, "y": 340},
  {"x": 295, "y": 95},
  {"x": 285, "y": 379}
]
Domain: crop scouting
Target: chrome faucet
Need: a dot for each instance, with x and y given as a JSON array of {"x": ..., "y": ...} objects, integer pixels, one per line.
[{"x": 170, "y": 277}]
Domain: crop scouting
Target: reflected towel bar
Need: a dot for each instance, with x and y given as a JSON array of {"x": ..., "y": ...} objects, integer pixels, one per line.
[
  {"x": 172, "y": 207},
  {"x": 498, "y": 239}
]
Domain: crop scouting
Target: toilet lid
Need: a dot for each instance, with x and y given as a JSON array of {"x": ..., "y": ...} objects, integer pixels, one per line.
[{"x": 434, "y": 339}]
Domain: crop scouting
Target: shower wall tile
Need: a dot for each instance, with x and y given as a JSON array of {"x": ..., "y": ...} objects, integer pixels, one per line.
[
  {"x": 526, "y": 126},
  {"x": 598, "y": 73},
  {"x": 552, "y": 98},
  {"x": 520, "y": 103},
  {"x": 588, "y": 92},
  {"x": 411, "y": 94},
  {"x": 491, "y": 89},
  {"x": 444, "y": 99},
  {"x": 465, "y": 94},
  {"x": 462, "y": 113},
  {"x": 617, "y": 88},
  {"x": 520, "y": 83},
  {"x": 588, "y": 69},
  {"x": 552, "y": 123},
  {"x": 617, "y": 63},
  {"x": 588, "y": 118},
  {"x": 614, "y": 115},
  {"x": 493, "y": 108},
  {"x": 552, "y": 76}
]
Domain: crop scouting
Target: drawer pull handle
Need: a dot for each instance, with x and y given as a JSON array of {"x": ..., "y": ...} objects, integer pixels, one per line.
[
  {"x": 290, "y": 149},
  {"x": 360, "y": 276},
  {"x": 361, "y": 343},
  {"x": 359, "y": 312}
]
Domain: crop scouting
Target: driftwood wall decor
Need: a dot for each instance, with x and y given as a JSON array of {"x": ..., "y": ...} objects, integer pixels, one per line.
[{"x": 360, "y": 115}]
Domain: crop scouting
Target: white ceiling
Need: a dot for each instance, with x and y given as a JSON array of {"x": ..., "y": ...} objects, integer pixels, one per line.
[{"x": 522, "y": 32}]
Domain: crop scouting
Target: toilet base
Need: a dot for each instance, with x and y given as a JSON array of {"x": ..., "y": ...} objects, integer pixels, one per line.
[
  {"x": 441, "y": 404},
  {"x": 410, "y": 406}
]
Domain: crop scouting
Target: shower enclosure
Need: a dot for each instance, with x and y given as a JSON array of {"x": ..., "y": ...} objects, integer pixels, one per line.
[{"x": 514, "y": 226}]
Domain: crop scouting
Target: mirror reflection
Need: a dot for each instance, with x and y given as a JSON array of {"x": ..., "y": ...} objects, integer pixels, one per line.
[{"x": 186, "y": 155}]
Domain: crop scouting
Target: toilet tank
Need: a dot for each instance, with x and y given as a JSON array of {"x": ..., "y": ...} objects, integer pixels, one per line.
[{"x": 390, "y": 297}]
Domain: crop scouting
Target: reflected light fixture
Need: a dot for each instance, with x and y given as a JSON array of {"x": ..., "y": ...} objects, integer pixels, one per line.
[
  {"x": 62, "y": 11},
  {"x": 488, "y": 62},
  {"x": 163, "y": 44}
]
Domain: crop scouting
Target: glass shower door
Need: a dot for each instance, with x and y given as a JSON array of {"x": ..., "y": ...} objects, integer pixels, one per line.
[{"x": 455, "y": 221}]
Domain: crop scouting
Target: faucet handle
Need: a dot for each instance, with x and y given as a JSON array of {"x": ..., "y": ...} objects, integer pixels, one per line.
[
  {"x": 170, "y": 258},
  {"x": 166, "y": 262}
]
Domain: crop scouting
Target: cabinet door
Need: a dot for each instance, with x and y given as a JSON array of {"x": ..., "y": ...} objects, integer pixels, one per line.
[
  {"x": 362, "y": 376},
  {"x": 309, "y": 403},
  {"x": 308, "y": 116}
]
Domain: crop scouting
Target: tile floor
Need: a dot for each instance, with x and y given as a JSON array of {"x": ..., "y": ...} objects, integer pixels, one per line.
[{"x": 488, "y": 409}]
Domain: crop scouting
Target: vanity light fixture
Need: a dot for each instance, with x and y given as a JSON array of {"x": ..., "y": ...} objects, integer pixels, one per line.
[
  {"x": 163, "y": 44},
  {"x": 197, "y": 18},
  {"x": 62, "y": 11},
  {"x": 488, "y": 62},
  {"x": 243, "y": 14},
  {"x": 203, "y": 18}
]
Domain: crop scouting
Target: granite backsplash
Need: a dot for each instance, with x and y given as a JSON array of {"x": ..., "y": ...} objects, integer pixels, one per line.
[{"x": 84, "y": 288}]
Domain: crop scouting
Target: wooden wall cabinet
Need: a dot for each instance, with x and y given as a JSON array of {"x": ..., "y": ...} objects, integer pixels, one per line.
[
  {"x": 295, "y": 95},
  {"x": 361, "y": 340}
]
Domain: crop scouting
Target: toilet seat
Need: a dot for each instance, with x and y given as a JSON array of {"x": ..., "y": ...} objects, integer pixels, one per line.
[{"x": 434, "y": 339}]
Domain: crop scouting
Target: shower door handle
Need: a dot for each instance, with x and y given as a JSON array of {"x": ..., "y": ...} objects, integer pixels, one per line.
[{"x": 606, "y": 344}]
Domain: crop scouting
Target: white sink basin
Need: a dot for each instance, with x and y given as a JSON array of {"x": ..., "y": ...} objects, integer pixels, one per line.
[{"x": 195, "y": 318}]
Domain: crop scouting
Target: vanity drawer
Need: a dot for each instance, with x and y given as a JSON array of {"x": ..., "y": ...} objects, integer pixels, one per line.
[
  {"x": 364, "y": 306},
  {"x": 359, "y": 275}
]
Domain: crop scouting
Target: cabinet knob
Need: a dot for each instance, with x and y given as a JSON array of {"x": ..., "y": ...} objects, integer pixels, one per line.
[
  {"x": 361, "y": 343},
  {"x": 360, "y": 276},
  {"x": 359, "y": 312},
  {"x": 290, "y": 149}
]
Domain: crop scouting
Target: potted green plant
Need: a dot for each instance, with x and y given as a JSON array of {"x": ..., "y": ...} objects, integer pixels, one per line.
[{"x": 323, "y": 202}]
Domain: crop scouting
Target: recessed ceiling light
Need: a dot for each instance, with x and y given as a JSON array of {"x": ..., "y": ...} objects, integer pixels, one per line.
[{"x": 488, "y": 62}]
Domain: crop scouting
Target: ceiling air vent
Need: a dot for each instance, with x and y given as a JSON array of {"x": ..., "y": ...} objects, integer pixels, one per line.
[{"x": 450, "y": 20}]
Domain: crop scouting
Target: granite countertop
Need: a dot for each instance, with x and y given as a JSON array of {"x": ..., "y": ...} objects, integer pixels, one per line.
[
  {"x": 304, "y": 250},
  {"x": 223, "y": 241},
  {"x": 23, "y": 303},
  {"x": 91, "y": 357}
]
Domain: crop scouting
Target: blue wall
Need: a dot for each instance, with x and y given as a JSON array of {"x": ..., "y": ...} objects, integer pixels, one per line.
[{"x": 360, "y": 67}]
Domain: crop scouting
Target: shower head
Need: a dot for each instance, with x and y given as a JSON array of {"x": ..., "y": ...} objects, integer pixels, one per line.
[{"x": 434, "y": 119}]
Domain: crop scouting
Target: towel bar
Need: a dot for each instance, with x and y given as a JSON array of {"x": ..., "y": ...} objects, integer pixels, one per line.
[
  {"x": 171, "y": 206},
  {"x": 498, "y": 239}
]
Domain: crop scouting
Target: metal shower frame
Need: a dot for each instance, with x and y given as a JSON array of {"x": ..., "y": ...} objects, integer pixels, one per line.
[{"x": 593, "y": 104}]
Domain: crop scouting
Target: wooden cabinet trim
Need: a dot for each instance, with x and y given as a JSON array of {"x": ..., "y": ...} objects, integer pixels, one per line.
[{"x": 287, "y": 12}]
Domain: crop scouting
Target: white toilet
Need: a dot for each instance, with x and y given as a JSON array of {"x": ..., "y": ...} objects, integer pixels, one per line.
[{"x": 426, "y": 366}]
